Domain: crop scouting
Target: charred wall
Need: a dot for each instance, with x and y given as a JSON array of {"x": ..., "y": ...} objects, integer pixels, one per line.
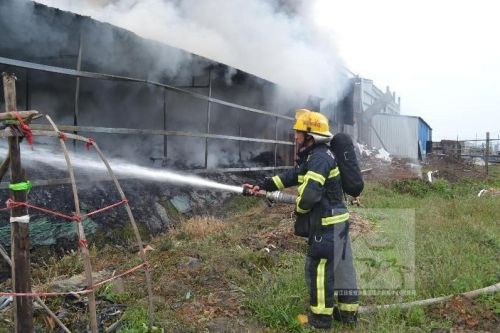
[{"x": 48, "y": 36}]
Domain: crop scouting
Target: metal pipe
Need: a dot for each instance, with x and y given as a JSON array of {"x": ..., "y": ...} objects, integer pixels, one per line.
[
  {"x": 92, "y": 129},
  {"x": 77, "y": 88},
  {"x": 165, "y": 140},
  {"x": 209, "y": 106},
  {"x": 276, "y": 145},
  {"x": 91, "y": 75}
]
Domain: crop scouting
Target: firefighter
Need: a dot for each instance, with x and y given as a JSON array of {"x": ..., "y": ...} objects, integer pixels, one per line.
[{"x": 322, "y": 217}]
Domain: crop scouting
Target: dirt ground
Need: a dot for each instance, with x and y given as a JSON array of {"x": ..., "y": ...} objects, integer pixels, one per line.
[
  {"x": 466, "y": 315},
  {"x": 446, "y": 168}
]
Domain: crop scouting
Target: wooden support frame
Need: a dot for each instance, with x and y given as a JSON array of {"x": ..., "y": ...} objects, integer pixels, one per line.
[
  {"x": 8, "y": 133},
  {"x": 20, "y": 249}
]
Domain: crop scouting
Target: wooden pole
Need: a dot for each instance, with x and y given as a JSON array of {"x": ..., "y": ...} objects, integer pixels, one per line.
[
  {"x": 81, "y": 234},
  {"x": 487, "y": 153},
  {"x": 21, "y": 274}
]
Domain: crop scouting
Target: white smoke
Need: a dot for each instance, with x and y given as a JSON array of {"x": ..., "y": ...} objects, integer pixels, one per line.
[{"x": 261, "y": 37}]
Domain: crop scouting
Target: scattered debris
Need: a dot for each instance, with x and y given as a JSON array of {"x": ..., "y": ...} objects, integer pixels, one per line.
[
  {"x": 430, "y": 173},
  {"x": 162, "y": 212},
  {"x": 148, "y": 248},
  {"x": 489, "y": 192},
  {"x": 5, "y": 301},
  {"x": 451, "y": 169},
  {"x": 384, "y": 155},
  {"x": 190, "y": 263},
  {"x": 76, "y": 282},
  {"x": 181, "y": 203},
  {"x": 383, "y": 166}
]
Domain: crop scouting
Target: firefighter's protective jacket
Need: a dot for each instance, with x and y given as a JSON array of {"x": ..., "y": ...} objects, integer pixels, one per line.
[{"x": 320, "y": 202}]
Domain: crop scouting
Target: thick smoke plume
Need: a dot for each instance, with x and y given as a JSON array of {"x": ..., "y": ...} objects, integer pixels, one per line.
[{"x": 276, "y": 40}]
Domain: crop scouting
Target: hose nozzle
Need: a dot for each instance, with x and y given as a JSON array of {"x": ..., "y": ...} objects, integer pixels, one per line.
[
  {"x": 278, "y": 196},
  {"x": 271, "y": 197}
]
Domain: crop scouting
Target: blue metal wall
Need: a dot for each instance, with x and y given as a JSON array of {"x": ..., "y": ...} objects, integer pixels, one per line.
[{"x": 424, "y": 135}]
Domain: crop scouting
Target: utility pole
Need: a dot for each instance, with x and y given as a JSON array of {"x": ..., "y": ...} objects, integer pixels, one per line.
[
  {"x": 21, "y": 274},
  {"x": 487, "y": 153}
]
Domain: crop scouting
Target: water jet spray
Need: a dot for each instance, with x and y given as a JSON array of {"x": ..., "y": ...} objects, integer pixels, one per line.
[{"x": 124, "y": 168}]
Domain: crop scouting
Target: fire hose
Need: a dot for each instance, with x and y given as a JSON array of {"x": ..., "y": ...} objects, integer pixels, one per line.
[{"x": 272, "y": 197}]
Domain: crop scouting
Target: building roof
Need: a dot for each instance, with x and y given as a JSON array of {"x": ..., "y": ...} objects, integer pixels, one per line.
[{"x": 404, "y": 115}]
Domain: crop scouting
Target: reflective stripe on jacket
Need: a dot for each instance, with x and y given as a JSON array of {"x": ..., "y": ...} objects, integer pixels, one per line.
[{"x": 320, "y": 188}]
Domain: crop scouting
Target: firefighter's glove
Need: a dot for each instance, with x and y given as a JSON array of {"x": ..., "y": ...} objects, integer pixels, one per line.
[{"x": 250, "y": 189}]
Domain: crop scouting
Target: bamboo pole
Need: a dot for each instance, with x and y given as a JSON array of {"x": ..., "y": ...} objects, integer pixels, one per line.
[
  {"x": 81, "y": 234},
  {"x": 12, "y": 115},
  {"x": 20, "y": 248},
  {"x": 136, "y": 233},
  {"x": 4, "y": 254}
]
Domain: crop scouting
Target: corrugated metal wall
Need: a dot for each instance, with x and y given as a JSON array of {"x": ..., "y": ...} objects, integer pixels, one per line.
[
  {"x": 424, "y": 135},
  {"x": 397, "y": 134}
]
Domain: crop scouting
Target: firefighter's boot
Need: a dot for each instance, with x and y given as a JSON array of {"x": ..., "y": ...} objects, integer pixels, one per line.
[
  {"x": 319, "y": 321},
  {"x": 345, "y": 317}
]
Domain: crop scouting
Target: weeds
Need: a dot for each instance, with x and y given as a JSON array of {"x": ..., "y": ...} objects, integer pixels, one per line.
[
  {"x": 239, "y": 203},
  {"x": 135, "y": 320},
  {"x": 278, "y": 299},
  {"x": 198, "y": 228}
]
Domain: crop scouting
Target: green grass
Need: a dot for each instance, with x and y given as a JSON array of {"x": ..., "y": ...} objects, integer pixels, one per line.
[
  {"x": 135, "y": 320},
  {"x": 239, "y": 203},
  {"x": 281, "y": 296},
  {"x": 457, "y": 242}
]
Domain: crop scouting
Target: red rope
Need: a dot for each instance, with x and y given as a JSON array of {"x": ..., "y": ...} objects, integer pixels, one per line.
[
  {"x": 13, "y": 204},
  {"x": 83, "y": 243},
  {"x": 80, "y": 292},
  {"x": 100, "y": 210},
  {"x": 63, "y": 136},
  {"x": 25, "y": 128},
  {"x": 90, "y": 142}
]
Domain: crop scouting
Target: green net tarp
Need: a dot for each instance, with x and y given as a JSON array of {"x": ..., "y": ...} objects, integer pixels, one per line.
[{"x": 45, "y": 232}]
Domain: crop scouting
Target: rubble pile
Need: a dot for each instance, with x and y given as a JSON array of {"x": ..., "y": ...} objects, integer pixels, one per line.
[
  {"x": 452, "y": 169},
  {"x": 378, "y": 165}
]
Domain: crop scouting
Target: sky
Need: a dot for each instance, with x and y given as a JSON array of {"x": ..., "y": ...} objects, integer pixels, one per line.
[{"x": 442, "y": 57}]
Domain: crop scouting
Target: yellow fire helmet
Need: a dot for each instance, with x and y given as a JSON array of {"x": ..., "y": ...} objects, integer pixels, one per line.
[{"x": 311, "y": 122}]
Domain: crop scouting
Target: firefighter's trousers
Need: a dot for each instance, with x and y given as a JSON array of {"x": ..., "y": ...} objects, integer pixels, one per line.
[{"x": 329, "y": 268}]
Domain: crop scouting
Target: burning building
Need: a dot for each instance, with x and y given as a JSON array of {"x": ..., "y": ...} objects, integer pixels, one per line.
[
  {"x": 142, "y": 100},
  {"x": 154, "y": 104}
]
